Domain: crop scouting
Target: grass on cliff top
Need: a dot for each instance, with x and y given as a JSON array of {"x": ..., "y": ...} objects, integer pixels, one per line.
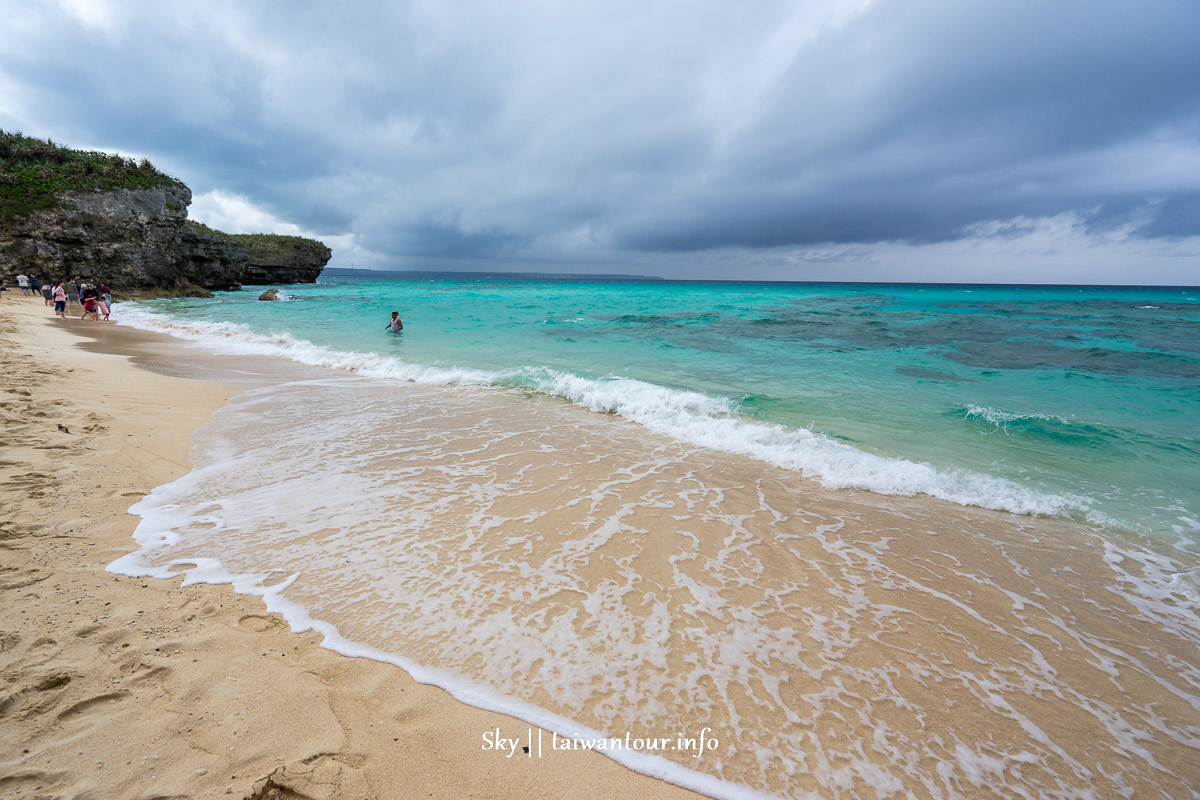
[
  {"x": 34, "y": 173},
  {"x": 263, "y": 244}
]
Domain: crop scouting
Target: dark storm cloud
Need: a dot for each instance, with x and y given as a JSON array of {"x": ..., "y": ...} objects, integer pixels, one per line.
[
  {"x": 535, "y": 132},
  {"x": 916, "y": 122},
  {"x": 183, "y": 96}
]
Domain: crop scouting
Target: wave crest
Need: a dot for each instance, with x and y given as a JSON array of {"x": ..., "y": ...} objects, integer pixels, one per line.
[{"x": 687, "y": 416}]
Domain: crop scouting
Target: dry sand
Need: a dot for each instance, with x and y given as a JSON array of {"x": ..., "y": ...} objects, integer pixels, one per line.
[{"x": 122, "y": 688}]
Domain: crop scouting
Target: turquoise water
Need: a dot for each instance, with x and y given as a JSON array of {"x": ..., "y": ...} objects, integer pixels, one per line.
[{"x": 1066, "y": 400}]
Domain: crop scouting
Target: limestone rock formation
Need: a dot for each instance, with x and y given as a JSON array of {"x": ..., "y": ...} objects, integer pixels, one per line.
[
  {"x": 283, "y": 259},
  {"x": 138, "y": 240},
  {"x": 130, "y": 238}
]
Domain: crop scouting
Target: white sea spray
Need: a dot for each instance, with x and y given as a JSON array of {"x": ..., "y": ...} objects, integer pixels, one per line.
[{"x": 691, "y": 417}]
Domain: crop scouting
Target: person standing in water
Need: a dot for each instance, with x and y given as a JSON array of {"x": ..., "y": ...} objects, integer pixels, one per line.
[
  {"x": 394, "y": 325},
  {"x": 60, "y": 300}
]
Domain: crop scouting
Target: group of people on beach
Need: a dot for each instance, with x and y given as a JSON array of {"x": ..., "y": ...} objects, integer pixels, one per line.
[{"x": 95, "y": 301}]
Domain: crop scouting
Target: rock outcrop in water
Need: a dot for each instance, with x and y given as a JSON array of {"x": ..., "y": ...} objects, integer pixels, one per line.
[
  {"x": 272, "y": 258},
  {"x": 66, "y": 213}
]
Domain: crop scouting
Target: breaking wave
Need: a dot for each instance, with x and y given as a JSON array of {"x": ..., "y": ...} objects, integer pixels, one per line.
[{"x": 687, "y": 416}]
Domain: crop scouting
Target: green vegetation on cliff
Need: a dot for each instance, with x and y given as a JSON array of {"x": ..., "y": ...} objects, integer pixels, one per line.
[
  {"x": 264, "y": 245},
  {"x": 34, "y": 173}
]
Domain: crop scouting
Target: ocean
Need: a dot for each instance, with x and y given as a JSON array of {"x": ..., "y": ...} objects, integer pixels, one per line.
[{"x": 877, "y": 539}]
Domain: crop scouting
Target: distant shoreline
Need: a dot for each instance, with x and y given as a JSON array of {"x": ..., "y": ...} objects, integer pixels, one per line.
[{"x": 346, "y": 272}]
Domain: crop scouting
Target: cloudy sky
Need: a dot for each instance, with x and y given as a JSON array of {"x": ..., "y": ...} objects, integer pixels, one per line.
[{"x": 993, "y": 140}]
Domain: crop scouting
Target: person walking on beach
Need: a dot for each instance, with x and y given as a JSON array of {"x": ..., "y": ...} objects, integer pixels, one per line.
[
  {"x": 88, "y": 290},
  {"x": 48, "y": 293},
  {"x": 105, "y": 294},
  {"x": 89, "y": 307},
  {"x": 71, "y": 289},
  {"x": 23, "y": 283},
  {"x": 394, "y": 325}
]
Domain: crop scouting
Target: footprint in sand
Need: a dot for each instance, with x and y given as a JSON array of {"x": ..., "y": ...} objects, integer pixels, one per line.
[
  {"x": 26, "y": 579},
  {"x": 36, "y": 697},
  {"x": 20, "y": 784},
  {"x": 321, "y": 775},
  {"x": 259, "y": 623},
  {"x": 147, "y": 674},
  {"x": 29, "y": 482},
  {"x": 54, "y": 681},
  {"x": 198, "y": 608},
  {"x": 83, "y": 705}
]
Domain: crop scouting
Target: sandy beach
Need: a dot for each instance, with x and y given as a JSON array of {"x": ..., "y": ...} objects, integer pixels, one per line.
[
  {"x": 532, "y": 557},
  {"x": 127, "y": 688}
]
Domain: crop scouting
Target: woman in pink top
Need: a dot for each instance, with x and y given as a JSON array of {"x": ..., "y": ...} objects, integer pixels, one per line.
[{"x": 60, "y": 300}]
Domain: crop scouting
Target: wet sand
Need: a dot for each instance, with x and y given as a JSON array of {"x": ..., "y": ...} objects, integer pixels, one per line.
[
  {"x": 127, "y": 688},
  {"x": 835, "y": 643}
]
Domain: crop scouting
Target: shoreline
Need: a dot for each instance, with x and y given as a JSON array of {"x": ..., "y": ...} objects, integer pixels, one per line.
[
  {"x": 127, "y": 687},
  {"x": 869, "y": 600}
]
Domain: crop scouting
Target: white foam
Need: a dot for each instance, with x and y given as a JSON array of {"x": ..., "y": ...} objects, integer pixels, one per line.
[
  {"x": 690, "y": 417},
  {"x": 1001, "y": 418},
  {"x": 422, "y": 532},
  {"x": 212, "y": 571},
  {"x": 172, "y": 513}
]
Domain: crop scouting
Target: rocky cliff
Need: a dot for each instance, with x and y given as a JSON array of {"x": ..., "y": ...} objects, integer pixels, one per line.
[
  {"x": 270, "y": 258},
  {"x": 138, "y": 240}
]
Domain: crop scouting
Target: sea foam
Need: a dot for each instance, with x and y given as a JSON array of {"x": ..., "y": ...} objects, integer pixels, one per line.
[
  {"x": 687, "y": 416},
  {"x": 593, "y": 580}
]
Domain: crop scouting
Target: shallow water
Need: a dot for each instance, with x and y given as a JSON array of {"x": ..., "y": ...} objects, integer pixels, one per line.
[
  {"x": 1082, "y": 401},
  {"x": 684, "y": 563},
  {"x": 835, "y": 642}
]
